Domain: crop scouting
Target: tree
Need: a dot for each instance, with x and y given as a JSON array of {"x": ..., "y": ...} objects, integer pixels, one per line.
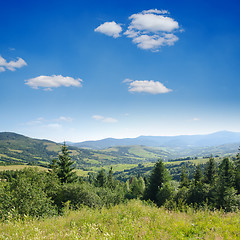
[
  {"x": 210, "y": 172},
  {"x": 197, "y": 176},
  {"x": 101, "y": 179},
  {"x": 225, "y": 187},
  {"x": 158, "y": 178},
  {"x": 237, "y": 172},
  {"x": 110, "y": 180},
  {"x": 184, "y": 178},
  {"x": 65, "y": 166}
]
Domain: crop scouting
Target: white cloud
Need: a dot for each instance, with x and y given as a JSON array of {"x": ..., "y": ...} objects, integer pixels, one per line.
[
  {"x": 64, "y": 119},
  {"x": 54, "y": 126},
  {"x": 152, "y": 22},
  {"x": 104, "y": 119},
  {"x": 111, "y": 29},
  {"x": 37, "y": 121},
  {"x": 12, "y": 65},
  {"x": 154, "y": 42},
  {"x": 127, "y": 80},
  {"x": 155, "y": 11},
  {"x": 49, "y": 82},
  {"x": 152, "y": 87},
  {"x": 195, "y": 119},
  {"x": 150, "y": 29}
]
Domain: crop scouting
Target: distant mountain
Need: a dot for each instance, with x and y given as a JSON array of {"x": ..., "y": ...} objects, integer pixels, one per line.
[
  {"x": 19, "y": 149},
  {"x": 208, "y": 140}
]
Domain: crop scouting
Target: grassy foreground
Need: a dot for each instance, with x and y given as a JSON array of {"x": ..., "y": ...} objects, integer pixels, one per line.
[{"x": 133, "y": 220}]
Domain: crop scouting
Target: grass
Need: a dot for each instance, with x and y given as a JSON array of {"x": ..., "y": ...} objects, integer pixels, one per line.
[{"x": 133, "y": 220}]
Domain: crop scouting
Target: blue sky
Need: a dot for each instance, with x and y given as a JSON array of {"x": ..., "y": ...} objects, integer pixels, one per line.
[{"x": 84, "y": 70}]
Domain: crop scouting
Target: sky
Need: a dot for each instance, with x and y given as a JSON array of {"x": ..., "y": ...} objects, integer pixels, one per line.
[{"x": 88, "y": 70}]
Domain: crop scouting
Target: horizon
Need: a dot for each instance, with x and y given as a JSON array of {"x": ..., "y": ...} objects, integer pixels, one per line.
[
  {"x": 89, "y": 140},
  {"x": 92, "y": 70}
]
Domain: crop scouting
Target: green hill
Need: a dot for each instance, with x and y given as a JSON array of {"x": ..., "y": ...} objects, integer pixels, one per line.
[{"x": 19, "y": 149}]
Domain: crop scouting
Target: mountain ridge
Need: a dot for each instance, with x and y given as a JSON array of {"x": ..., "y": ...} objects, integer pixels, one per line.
[{"x": 200, "y": 140}]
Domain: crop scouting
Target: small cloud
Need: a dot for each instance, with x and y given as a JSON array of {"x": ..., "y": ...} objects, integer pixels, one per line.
[
  {"x": 109, "y": 120},
  {"x": 104, "y": 119},
  {"x": 37, "y": 121},
  {"x": 54, "y": 81},
  {"x": 111, "y": 29},
  {"x": 97, "y": 117},
  {"x": 152, "y": 87},
  {"x": 64, "y": 119},
  {"x": 12, "y": 65},
  {"x": 127, "y": 80},
  {"x": 11, "y": 49},
  {"x": 155, "y": 11},
  {"x": 195, "y": 119},
  {"x": 54, "y": 125}
]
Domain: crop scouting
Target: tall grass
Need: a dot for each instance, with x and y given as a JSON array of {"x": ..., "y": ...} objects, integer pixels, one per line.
[{"x": 133, "y": 220}]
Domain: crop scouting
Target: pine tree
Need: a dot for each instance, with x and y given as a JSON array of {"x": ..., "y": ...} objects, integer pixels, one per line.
[
  {"x": 225, "y": 190},
  {"x": 158, "y": 177},
  {"x": 184, "y": 178},
  {"x": 197, "y": 176},
  {"x": 237, "y": 172},
  {"x": 210, "y": 172},
  {"x": 110, "y": 180},
  {"x": 101, "y": 179},
  {"x": 65, "y": 166}
]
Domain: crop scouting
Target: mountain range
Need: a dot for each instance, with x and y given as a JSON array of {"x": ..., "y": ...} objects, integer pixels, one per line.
[
  {"x": 19, "y": 149},
  {"x": 183, "y": 141}
]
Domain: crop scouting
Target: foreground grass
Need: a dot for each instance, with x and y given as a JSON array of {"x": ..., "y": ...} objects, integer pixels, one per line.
[{"x": 133, "y": 220}]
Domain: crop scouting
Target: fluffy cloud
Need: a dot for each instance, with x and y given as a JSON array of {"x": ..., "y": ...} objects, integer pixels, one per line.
[
  {"x": 152, "y": 22},
  {"x": 149, "y": 29},
  {"x": 111, "y": 29},
  {"x": 54, "y": 81},
  {"x": 104, "y": 119},
  {"x": 12, "y": 65},
  {"x": 155, "y": 41},
  {"x": 152, "y": 87}
]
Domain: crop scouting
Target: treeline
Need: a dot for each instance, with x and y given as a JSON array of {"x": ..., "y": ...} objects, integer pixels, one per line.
[
  {"x": 37, "y": 193},
  {"x": 214, "y": 186}
]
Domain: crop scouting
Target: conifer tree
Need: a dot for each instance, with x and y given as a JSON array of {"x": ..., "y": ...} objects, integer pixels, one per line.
[
  {"x": 101, "y": 179},
  {"x": 237, "y": 172},
  {"x": 198, "y": 176},
  {"x": 158, "y": 177},
  {"x": 184, "y": 178},
  {"x": 65, "y": 166},
  {"x": 110, "y": 181},
  {"x": 210, "y": 172},
  {"x": 225, "y": 190}
]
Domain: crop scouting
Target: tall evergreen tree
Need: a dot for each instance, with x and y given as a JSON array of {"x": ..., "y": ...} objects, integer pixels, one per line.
[
  {"x": 197, "y": 178},
  {"x": 225, "y": 190},
  {"x": 210, "y": 172},
  {"x": 110, "y": 180},
  {"x": 65, "y": 166},
  {"x": 158, "y": 177},
  {"x": 101, "y": 179},
  {"x": 184, "y": 178},
  {"x": 237, "y": 172}
]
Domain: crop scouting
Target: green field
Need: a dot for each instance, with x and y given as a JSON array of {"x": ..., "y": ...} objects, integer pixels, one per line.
[{"x": 133, "y": 220}]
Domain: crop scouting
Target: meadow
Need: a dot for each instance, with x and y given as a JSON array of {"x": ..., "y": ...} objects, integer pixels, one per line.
[{"x": 131, "y": 220}]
